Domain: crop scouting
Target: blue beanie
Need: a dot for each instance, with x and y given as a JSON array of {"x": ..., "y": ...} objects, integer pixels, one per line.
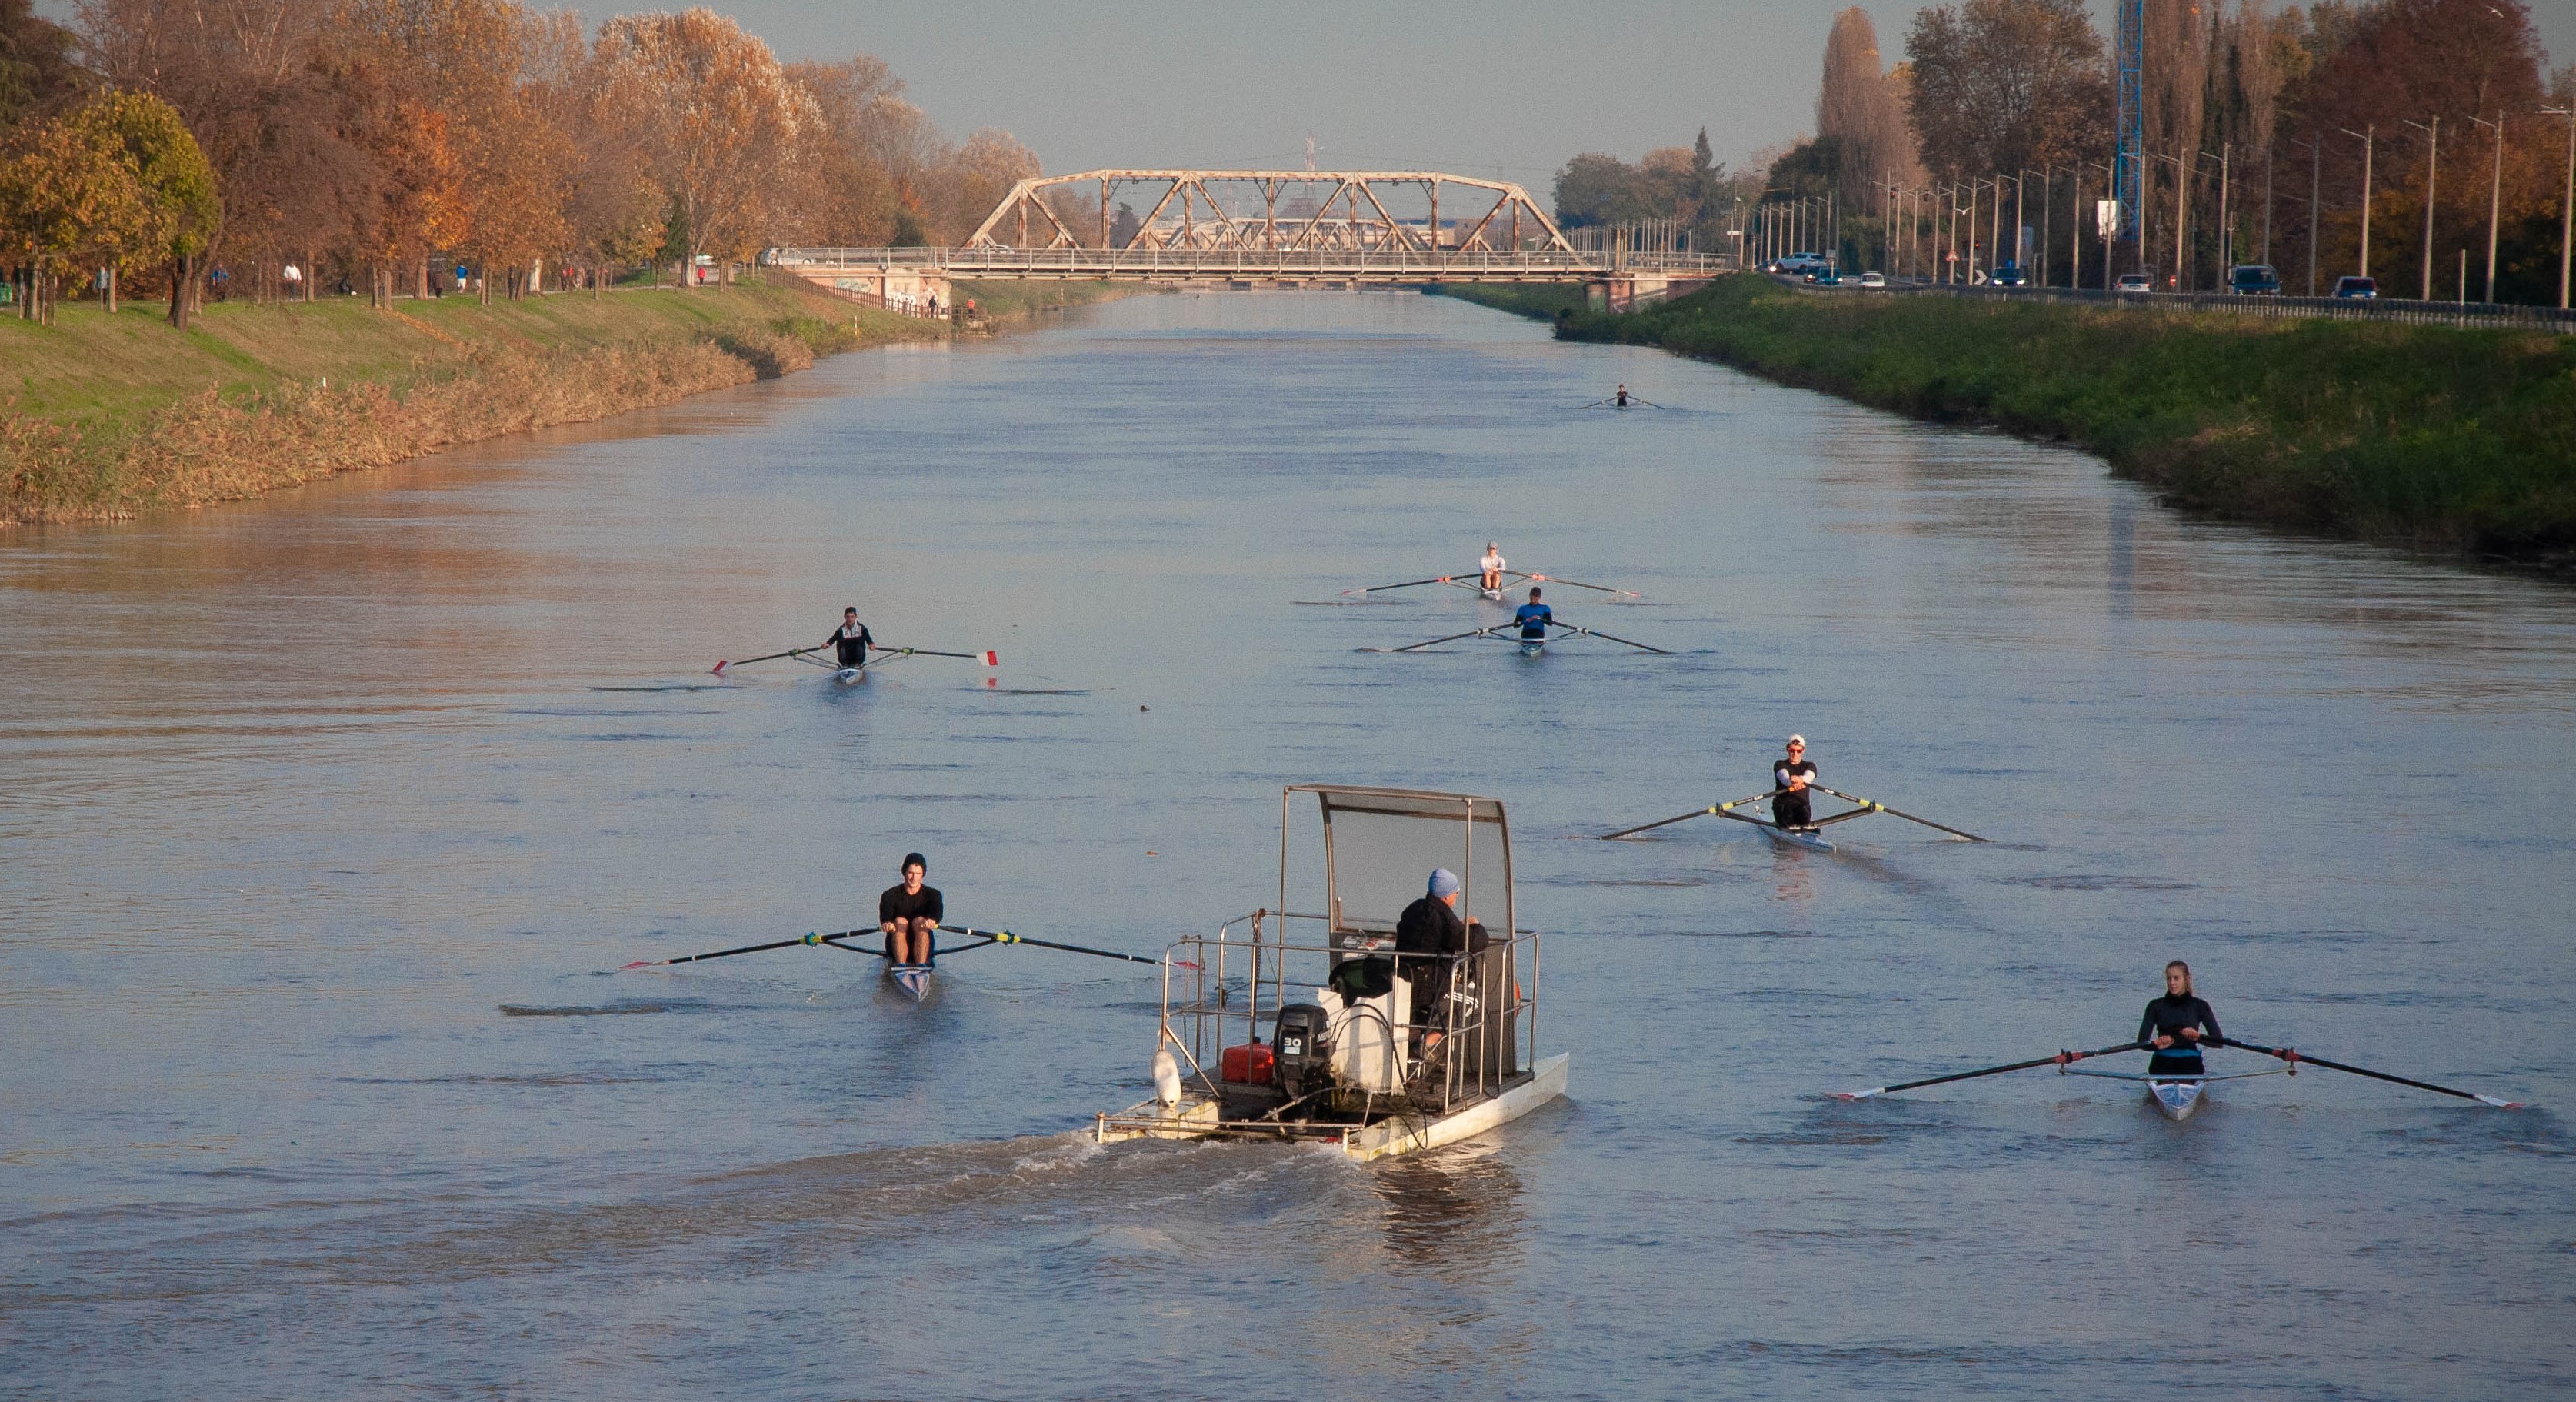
[{"x": 1444, "y": 883}]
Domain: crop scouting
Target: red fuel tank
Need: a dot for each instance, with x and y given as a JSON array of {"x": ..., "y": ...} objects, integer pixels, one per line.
[{"x": 1248, "y": 1064}]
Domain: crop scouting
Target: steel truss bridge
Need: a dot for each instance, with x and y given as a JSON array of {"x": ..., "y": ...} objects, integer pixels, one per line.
[{"x": 1255, "y": 227}]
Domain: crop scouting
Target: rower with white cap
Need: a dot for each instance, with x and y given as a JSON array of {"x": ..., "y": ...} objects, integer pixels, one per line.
[
  {"x": 1793, "y": 776},
  {"x": 1492, "y": 565}
]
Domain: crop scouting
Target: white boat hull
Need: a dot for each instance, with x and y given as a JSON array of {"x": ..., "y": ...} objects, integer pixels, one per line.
[
  {"x": 849, "y": 675},
  {"x": 1195, "y": 1117},
  {"x": 913, "y": 979},
  {"x": 2176, "y": 1099},
  {"x": 1796, "y": 837}
]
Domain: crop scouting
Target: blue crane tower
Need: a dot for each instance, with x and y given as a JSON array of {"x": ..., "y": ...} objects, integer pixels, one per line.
[{"x": 2129, "y": 45}]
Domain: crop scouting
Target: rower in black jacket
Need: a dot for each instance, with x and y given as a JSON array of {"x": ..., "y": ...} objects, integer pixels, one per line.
[
  {"x": 851, "y": 639},
  {"x": 2178, "y": 1025}
]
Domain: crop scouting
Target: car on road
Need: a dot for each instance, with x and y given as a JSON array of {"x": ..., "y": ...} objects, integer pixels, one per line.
[
  {"x": 1873, "y": 280},
  {"x": 1826, "y": 276},
  {"x": 2008, "y": 275},
  {"x": 2362, "y": 287},
  {"x": 2254, "y": 280},
  {"x": 2135, "y": 282}
]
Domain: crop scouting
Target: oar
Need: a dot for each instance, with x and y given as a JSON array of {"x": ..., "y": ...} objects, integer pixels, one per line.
[
  {"x": 746, "y": 949},
  {"x": 988, "y": 658},
  {"x": 2064, "y": 1058},
  {"x": 1006, "y": 937},
  {"x": 1435, "y": 642},
  {"x": 719, "y": 668},
  {"x": 1714, "y": 809},
  {"x": 1408, "y": 584},
  {"x": 1605, "y": 637},
  {"x": 1579, "y": 584},
  {"x": 2300, "y": 1058},
  {"x": 1893, "y": 813}
]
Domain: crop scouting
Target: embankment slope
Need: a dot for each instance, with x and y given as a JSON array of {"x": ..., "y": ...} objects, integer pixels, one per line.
[
  {"x": 103, "y": 417},
  {"x": 2428, "y": 436}
]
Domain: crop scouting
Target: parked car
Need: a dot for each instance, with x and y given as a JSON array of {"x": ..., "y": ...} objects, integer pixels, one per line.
[
  {"x": 2254, "y": 280},
  {"x": 2135, "y": 282},
  {"x": 2008, "y": 275},
  {"x": 1878, "y": 280},
  {"x": 2367, "y": 287}
]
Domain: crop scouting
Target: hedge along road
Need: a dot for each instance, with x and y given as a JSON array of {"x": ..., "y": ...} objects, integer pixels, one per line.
[{"x": 322, "y": 850}]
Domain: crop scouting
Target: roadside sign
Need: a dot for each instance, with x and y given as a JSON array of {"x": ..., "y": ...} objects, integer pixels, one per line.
[{"x": 2106, "y": 216}]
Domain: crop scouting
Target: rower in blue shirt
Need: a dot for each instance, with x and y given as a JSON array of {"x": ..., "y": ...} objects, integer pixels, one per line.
[{"x": 1533, "y": 617}]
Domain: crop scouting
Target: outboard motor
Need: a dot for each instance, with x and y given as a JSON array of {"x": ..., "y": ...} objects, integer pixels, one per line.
[{"x": 1301, "y": 1049}]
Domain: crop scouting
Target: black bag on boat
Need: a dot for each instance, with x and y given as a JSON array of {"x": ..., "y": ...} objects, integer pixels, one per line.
[{"x": 1355, "y": 979}]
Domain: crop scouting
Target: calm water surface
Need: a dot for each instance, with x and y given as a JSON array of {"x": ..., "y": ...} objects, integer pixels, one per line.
[{"x": 326, "y": 821}]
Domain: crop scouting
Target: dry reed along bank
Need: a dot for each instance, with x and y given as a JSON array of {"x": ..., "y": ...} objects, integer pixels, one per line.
[
  {"x": 101, "y": 417},
  {"x": 2419, "y": 435}
]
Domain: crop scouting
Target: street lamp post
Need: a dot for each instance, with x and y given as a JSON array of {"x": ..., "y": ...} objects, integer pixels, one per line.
[
  {"x": 2226, "y": 231},
  {"x": 2495, "y": 197},
  {"x": 2567, "y": 219},
  {"x": 2369, "y": 135},
  {"x": 2432, "y": 168}
]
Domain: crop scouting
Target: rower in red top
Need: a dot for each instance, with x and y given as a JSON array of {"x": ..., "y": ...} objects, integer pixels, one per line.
[
  {"x": 2177, "y": 1026},
  {"x": 909, "y": 914}
]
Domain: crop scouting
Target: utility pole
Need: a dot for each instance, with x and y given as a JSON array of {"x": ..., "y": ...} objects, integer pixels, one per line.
[
  {"x": 2369, "y": 135},
  {"x": 2567, "y": 219},
  {"x": 2495, "y": 197},
  {"x": 2432, "y": 168},
  {"x": 2226, "y": 230},
  {"x": 2317, "y": 174}
]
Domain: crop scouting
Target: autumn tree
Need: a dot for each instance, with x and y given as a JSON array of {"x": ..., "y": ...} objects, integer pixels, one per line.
[
  {"x": 1858, "y": 107},
  {"x": 712, "y": 115},
  {"x": 36, "y": 68},
  {"x": 118, "y": 178},
  {"x": 1999, "y": 85}
]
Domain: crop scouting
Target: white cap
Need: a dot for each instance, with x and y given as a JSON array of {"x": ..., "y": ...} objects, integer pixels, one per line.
[{"x": 1798, "y": 740}]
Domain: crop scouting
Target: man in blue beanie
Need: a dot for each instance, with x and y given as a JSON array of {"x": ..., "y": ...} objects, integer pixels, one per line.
[{"x": 1428, "y": 937}]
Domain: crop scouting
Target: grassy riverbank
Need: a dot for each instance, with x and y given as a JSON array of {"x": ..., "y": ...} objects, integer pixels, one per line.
[
  {"x": 105, "y": 416},
  {"x": 2420, "y": 435}
]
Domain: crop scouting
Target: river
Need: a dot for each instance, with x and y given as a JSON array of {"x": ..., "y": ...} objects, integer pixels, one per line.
[{"x": 329, "y": 819}]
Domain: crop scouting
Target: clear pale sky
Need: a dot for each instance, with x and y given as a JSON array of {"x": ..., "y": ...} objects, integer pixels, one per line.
[{"x": 1467, "y": 88}]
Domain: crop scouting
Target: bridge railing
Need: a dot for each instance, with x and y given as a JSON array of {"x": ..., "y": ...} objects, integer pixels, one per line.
[{"x": 1229, "y": 264}]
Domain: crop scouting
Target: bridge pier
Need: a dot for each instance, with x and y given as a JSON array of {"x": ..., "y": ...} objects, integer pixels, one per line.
[
  {"x": 1630, "y": 292},
  {"x": 912, "y": 291}
]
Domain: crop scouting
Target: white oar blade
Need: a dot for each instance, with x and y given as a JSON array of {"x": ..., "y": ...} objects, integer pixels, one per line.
[
  {"x": 1859, "y": 1094},
  {"x": 2499, "y": 1104}
]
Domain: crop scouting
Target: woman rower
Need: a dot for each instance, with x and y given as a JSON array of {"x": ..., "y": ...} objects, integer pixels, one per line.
[
  {"x": 1491, "y": 568},
  {"x": 2177, "y": 1026}
]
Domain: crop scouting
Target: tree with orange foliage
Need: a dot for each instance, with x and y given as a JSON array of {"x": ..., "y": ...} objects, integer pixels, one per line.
[{"x": 714, "y": 117}]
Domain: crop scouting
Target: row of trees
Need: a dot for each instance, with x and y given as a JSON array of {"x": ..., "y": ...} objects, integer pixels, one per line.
[
  {"x": 1686, "y": 184},
  {"x": 2244, "y": 107},
  {"x": 386, "y": 140}
]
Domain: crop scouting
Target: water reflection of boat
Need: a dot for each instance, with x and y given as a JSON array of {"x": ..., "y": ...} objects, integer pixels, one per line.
[{"x": 1378, "y": 1051}]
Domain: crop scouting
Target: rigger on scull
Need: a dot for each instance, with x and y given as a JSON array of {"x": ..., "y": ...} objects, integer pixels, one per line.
[
  {"x": 2175, "y": 1030},
  {"x": 850, "y": 645},
  {"x": 1793, "y": 822}
]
